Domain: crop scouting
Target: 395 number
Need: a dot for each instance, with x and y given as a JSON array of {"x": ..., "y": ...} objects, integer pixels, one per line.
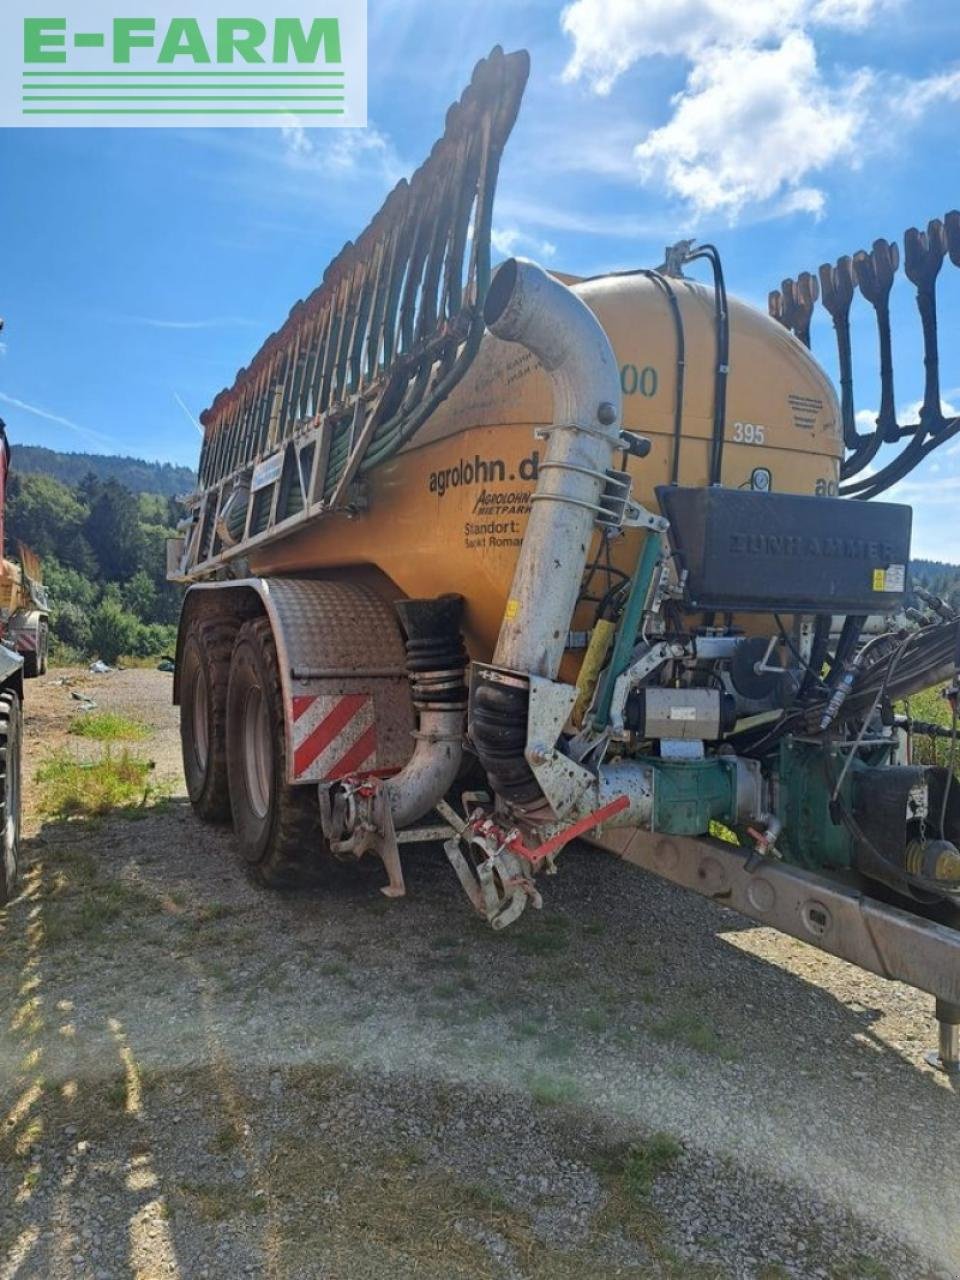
[{"x": 749, "y": 433}]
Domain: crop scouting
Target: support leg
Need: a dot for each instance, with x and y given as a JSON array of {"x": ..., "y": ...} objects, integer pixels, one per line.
[{"x": 947, "y": 1057}]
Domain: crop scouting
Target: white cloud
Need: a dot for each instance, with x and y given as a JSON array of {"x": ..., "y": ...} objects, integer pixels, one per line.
[
  {"x": 758, "y": 118},
  {"x": 866, "y": 419},
  {"x": 359, "y": 152},
  {"x": 907, "y": 414},
  {"x": 511, "y": 240},
  {"x": 911, "y": 412},
  {"x": 595, "y": 222},
  {"x": 852, "y": 14},
  {"x": 752, "y": 124},
  {"x": 917, "y": 97},
  {"x": 3, "y": 348},
  {"x": 609, "y": 36}
]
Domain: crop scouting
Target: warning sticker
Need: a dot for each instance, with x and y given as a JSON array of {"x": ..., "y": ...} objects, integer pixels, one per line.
[{"x": 893, "y": 578}]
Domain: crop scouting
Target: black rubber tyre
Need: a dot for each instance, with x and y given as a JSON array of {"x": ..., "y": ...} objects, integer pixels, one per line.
[
  {"x": 204, "y": 673},
  {"x": 44, "y": 646},
  {"x": 31, "y": 664},
  {"x": 277, "y": 827},
  {"x": 10, "y": 739}
]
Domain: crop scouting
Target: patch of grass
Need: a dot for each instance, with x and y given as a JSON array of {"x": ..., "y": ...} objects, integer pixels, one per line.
[
  {"x": 444, "y": 942},
  {"x": 115, "y": 1094},
  {"x": 594, "y": 1020},
  {"x": 545, "y": 938},
  {"x": 483, "y": 1199},
  {"x": 861, "y": 1267},
  {"x": 932, "y": 706},
  {"x": 226, "y": 1138},
  {"x": 108, "y": 726},
  {"x": 556, "y": 1047},
  {"x": 213, "y": 911},
  {"x": 445, "y": 990},
  {"x": 128, "y": 661},
  {"x": 643, "y": 1165},
  {"x": 531, "y": 1026},
  {"x": 81, "y": 902},
  {"x": 72, "y": 788},
  {"x": 457, "y": 984},
  {"x": 553, "y": 1091},
  {"x": 402, "y": 1221},
  {"x": 690, "y": 1030}
]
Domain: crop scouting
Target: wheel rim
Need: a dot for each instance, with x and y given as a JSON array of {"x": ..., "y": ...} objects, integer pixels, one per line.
[
  {"x": 257, "y": 751},
  {"x": 201, "y": 741}
]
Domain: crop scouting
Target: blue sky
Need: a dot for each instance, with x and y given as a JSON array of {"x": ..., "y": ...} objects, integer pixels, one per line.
[{"x": 141, "y": 268}]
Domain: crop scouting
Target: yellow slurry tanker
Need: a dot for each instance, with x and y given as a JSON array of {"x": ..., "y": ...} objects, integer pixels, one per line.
[{"x": 507, "y": 559}]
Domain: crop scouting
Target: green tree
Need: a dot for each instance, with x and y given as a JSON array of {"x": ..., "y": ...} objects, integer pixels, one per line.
[
  {"x": 71, "y": 625},
  {"x": 44, "y": 514},
  {"x": 113, "y": 531},
  {"x": 113, "y": 631},
  {"x": 66, "y": 585},
  {"x": 139, "y": 595}
]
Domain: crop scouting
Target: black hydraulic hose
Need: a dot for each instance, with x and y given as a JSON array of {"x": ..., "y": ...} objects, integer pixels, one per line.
[
  {"x": 669, "y": 292},
  {"x": 849, "y": 635},
  {"x": 818, "y": 654},
  {"x": 664, "y": 284},
  {"x": 722, "y": 321},
  {"x": 902, "y": 465}
]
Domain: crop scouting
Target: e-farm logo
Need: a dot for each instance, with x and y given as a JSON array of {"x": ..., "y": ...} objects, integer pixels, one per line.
[{"x": 198, "y": 62}]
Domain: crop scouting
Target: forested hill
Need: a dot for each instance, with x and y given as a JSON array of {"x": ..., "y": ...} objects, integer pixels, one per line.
[
  {"x": 134, "y": 474},
  {"x": 942, "y": 579}
]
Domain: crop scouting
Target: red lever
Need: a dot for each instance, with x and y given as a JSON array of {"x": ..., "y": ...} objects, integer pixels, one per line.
[{"x": 577, "y": 828}]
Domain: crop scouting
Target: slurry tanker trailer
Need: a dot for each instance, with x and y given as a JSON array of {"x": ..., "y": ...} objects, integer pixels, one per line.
[{"x": 510, "y": 559}]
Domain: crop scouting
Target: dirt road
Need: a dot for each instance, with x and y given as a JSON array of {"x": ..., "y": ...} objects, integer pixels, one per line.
[{"x": 201, "y": 1079}]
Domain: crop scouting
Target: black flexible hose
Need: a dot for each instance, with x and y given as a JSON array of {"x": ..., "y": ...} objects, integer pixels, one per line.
[{"x": 722, "y": 322}]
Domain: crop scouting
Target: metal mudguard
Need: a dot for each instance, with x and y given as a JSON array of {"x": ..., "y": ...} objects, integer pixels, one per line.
[
  {"x": 11, "y": 667},
  {"x": 346, "y": 696}
]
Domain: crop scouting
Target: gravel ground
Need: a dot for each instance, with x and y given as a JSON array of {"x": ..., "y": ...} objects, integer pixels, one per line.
[{"x": 201, "y": 1079}]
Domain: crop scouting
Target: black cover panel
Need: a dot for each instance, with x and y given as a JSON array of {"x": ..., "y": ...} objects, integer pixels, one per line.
[{"x": 784, "y": 552}]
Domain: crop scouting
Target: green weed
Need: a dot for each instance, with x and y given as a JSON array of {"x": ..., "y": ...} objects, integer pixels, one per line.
[
  {"x": 74, "y": 788},
  {"x": 108, "y": 726}
]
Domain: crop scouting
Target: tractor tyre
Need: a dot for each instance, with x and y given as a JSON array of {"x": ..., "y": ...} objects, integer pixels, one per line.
[
  {"x": 10, "y": 765},
  {"x": 204, "y": 672},
  {"x": 277, "y": 826}
]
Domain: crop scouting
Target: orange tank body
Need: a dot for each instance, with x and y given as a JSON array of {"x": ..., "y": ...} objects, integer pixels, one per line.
[{"x": 448, "y": 512}]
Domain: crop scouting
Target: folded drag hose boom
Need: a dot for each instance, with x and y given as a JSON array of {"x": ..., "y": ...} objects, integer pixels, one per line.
[{"x": 527, "y": 306}]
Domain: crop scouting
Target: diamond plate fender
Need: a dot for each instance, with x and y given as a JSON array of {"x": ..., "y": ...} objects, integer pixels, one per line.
[{"x": 346, "y": 696}]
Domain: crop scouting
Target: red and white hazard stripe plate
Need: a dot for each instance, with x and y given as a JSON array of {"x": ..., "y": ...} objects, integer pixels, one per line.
[{"x": 333, "y": 736}]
